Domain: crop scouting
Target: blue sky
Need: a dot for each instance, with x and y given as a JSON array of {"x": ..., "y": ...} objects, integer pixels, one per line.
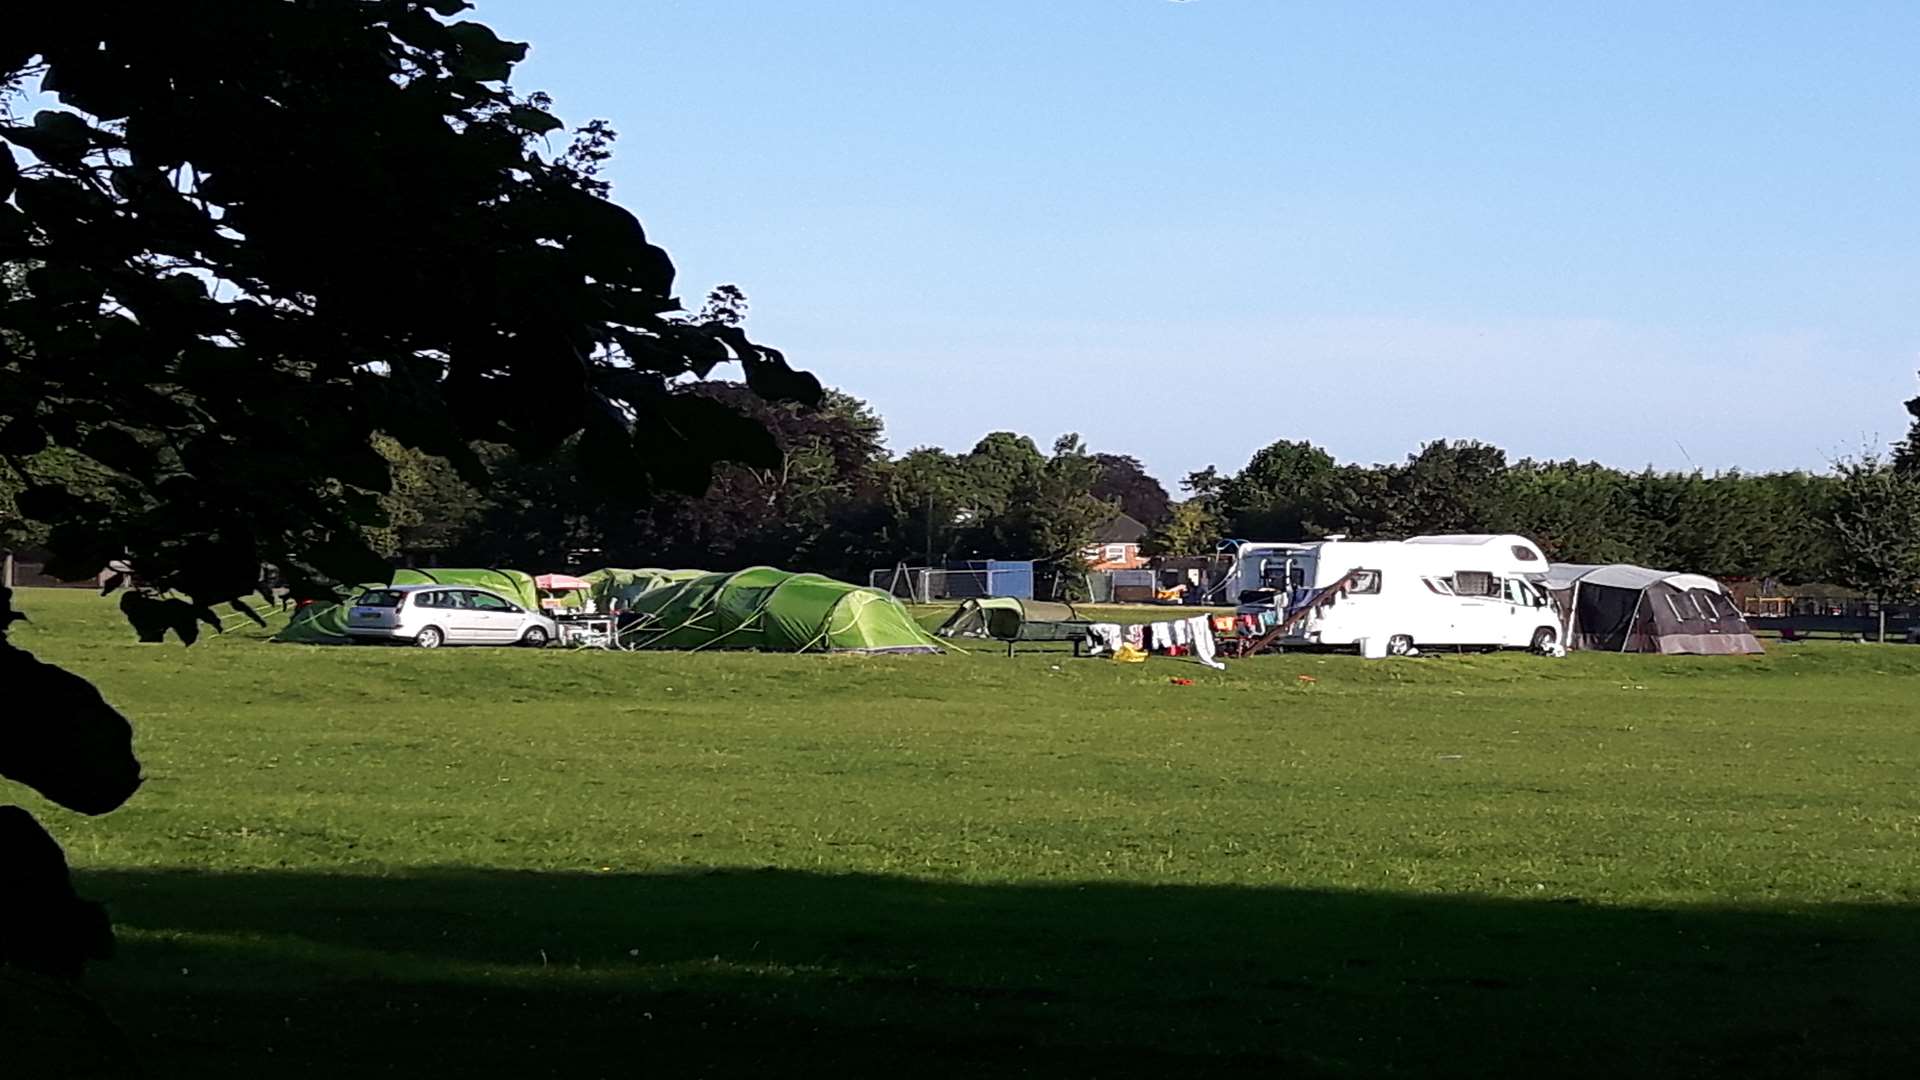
[{"x": 1638, "y": 233}]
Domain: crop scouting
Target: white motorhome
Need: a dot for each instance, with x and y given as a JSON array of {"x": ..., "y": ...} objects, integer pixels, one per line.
[
  {"x": 1393, "y": 597},
  {"x": 1260, "y": 570}
]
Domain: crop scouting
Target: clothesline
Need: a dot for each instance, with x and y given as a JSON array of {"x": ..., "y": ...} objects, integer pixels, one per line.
[{"x": 1175, "y": 637}]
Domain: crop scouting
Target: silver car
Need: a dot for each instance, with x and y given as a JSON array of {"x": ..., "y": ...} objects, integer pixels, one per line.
[{"x": 434, "y": 615}]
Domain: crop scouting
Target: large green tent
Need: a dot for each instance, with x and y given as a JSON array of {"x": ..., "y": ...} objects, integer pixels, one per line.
[
  {"x": 764, "y": 608},
  {"x": 324, "y": 623},
  {"x": 616, "y": 588}
]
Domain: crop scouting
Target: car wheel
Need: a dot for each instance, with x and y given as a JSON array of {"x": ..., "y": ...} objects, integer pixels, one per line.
[
  {"x": 431, "y": 638},
  {"x": 1400, "y": 645},
  {"x": 535, "y": 637},
  {"x": 1543, "y": 639}
]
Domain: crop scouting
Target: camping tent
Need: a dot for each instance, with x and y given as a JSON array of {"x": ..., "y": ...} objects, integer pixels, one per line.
[
  {"x": 615, "y": 589},
  {"x": 1013, "y": 620},
  {"x": 764, "y": 608},
  {"x": 1621, "y": 608},
  {"x": 1005, "y": 618},
  {"x": 324, "y": 623}
]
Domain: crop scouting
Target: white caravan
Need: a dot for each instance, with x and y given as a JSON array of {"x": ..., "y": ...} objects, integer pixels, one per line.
[{"x": 1392, "y": 597}]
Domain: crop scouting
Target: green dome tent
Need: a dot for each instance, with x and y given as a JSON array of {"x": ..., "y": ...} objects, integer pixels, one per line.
[
  {"x": 623, "y": 586},
  {"x": 323, "y": 623},
  {"x": 764, "y": 608}
]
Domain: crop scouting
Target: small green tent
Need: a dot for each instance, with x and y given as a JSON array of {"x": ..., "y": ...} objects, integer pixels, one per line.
[
  {"x": 323, "y": 623},
  {"x": 764, "y": 608},
  {"x": 1010, "y": 619}
]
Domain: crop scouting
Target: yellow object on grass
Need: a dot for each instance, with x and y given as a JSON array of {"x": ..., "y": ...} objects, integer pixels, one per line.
[{"x": 1129, "y": 654}]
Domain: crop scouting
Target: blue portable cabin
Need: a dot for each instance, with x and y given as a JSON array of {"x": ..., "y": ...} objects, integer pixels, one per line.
[{"x": 991, "y": 577}]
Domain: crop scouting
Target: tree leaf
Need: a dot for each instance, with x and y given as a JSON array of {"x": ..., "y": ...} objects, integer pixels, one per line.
[
  {"x": 538, "y": 121},
  {"x": 58, "y": 138}
]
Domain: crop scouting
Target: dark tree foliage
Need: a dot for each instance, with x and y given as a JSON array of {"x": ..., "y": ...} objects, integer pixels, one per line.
[
  {"x": 806, "y": 509},
  {"x": 60, "y": 738},
  {"x": 1732, "y": 524},
  {"x": 1124, "y": 481},
  {"x": 1906, "y": 453},
  {"x": 258, "y": 234},
  {"x": 257, "y": 245}
]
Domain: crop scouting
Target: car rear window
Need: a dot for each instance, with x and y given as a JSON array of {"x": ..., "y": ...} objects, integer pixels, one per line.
[{"x": 380, "y": 598}]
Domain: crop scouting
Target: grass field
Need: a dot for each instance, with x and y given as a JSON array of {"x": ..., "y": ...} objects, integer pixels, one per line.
[{"x": 514, "y": 863}]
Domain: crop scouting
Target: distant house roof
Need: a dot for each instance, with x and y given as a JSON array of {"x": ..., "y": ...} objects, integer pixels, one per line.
[{"x": 1120, "y": 529}]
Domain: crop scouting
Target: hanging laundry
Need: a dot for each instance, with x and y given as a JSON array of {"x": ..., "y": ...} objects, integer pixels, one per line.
[
  {"x": 1104, "y": 637},
  {"x": 1203, "y": 644},
  {"x": 1137, "y": 636},
  {"x": 1162, "y": 636},
  {"x": 1182, "y": 632}
]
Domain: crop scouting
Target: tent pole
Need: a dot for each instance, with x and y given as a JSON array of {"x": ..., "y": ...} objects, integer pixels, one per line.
[{"x": 1639, "y": 598}]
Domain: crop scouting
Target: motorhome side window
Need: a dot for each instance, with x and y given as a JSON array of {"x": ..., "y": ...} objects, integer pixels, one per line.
[
  {"x": 1524, "y": 554},
  {"x": 1366, "y": 581},
  {"x": 1475, "y": 583}
]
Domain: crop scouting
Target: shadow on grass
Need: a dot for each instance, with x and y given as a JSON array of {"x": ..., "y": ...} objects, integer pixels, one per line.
[{"x": 775, "y": 972}]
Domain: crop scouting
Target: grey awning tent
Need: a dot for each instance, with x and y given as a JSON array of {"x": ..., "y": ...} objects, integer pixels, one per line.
[{"x": 1622, "y": 608}]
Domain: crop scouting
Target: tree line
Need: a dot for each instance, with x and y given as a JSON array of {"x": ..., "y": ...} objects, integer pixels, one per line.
[{"x": 833, "y": 499}]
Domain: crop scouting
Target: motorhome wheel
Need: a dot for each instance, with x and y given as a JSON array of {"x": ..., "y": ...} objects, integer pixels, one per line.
[{"x": 1543, "y": 639}]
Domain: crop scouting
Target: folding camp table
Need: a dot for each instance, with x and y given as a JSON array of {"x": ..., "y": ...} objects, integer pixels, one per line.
[{"x": 588, "y": 632}]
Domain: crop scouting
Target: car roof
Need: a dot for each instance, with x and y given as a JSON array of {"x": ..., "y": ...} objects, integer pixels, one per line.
[{"x": 435, "y": 585}]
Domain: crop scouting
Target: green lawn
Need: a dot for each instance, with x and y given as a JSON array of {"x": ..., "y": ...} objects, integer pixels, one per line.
[{"x": 515, "y": 863}]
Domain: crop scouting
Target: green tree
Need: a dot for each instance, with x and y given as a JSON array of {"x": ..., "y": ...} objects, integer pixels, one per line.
[
  {"x": 1050, "y": 515},
  {"x": 1276, "y": 495},
  {"x": 930, "y": 504},
  {"x": 999, "y": 465},
  {"x": 1575, "y": 511},
  {"x": 428, "y": 507},
  {"x": 1124, "y": 482},
  {"x": 1876, "y": 523},
  {"x": 1190, "y": 528}
]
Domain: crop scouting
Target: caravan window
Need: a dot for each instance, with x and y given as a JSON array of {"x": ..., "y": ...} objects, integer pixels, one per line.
[
  {"x": 1524, "y": 554},
  {"x": 1475, "y": 583},
  {"x": 1366, "y": 582}
]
